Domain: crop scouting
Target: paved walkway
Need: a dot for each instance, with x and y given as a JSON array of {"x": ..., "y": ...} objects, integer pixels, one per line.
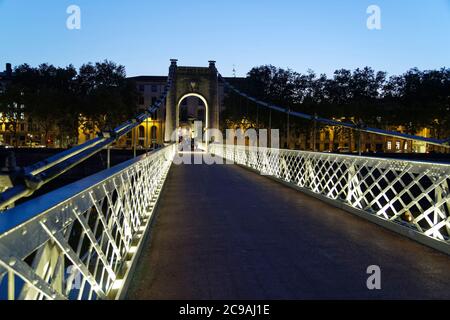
[{"x": 223, "y": 232}]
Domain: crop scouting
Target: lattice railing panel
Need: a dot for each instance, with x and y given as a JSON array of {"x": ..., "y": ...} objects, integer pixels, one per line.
[
  {"x": 81, "y": 247},
  {"x": 414, "y": 194}
]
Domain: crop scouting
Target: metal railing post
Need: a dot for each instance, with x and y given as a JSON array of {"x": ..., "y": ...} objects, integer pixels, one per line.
[
  {"x": 288, "y": 125},
  {"x": 270, "y": 127},
  {"x": 359, "y": 143},
  {"x": 11, "y": 285},
  {"x": 146, "y": 137},
  {"x": 108, "y": 157},
  {"x": 134, "y": 142},
  {"x": 314, "y": 135}
]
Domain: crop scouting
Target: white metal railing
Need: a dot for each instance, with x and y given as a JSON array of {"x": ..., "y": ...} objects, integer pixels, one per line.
[
  {"x": 411, "y": 193},
  {"x": 79, "y": 242}
]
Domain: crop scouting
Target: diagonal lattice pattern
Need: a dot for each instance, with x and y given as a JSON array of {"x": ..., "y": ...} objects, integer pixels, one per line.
[
  {"x": 82, "y": 246},
  {"x": 411, "y": 193}
]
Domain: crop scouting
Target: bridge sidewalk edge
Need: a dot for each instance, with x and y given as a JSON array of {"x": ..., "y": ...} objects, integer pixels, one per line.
[{"x": 121, "y": 295}]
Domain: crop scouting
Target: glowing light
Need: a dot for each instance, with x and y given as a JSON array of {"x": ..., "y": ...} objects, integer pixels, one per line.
[
  {"x": 133, "y": 249},
  {"x": 118, "y": 284}
]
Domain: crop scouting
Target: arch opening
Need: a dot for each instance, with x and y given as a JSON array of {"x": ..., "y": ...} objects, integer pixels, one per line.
[
  {"x": 191, "y": 107},
  {"x": 154, "y": 135},
  {"x": 141, "y": 136}
]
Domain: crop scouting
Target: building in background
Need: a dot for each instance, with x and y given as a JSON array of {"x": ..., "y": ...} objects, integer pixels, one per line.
[
  {"x": 5, "y": 76},
  {"x": 344, "y": 140},
  {"x": 14, "y": 127}
]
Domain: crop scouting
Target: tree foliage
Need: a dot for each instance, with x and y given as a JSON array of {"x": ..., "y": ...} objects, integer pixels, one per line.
[
  {"x": 63, "y": 99},
  {"x": 414, "y": 99}
]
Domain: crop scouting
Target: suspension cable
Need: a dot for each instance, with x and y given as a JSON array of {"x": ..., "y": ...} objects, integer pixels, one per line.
[
  {"x": 361, "y": 127},
  {"x": 33, "y": 177}
]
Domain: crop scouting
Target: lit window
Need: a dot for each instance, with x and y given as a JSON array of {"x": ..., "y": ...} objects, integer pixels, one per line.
[
  {"x": 389, "y": 145},
  {"x": 406, "y": 145},
  {"x": 397, "y": 145}
]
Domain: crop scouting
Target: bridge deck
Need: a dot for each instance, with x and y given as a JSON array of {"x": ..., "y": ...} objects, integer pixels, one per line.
[{"x": 223, "y": 232}]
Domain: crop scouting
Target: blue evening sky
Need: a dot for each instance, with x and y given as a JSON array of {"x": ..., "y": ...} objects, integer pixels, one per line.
[{"x": 143, "y": 35}]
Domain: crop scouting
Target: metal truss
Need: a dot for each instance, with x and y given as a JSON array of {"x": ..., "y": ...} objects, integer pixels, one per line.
[
  {"x": 79, "y": 242},
  {"x": 411, "y": 193}
]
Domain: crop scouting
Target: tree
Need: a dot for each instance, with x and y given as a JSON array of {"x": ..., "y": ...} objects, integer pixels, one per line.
[
  {"x": 107, "y": 97},
  {"x": 47, "y": 95},
  {"x": 12, "y": 108},
  {"x": 55, "y": 99},
  {"x": 414, "y": 100}
]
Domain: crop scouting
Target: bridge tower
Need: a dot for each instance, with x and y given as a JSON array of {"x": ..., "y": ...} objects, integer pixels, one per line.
[{"x": 201, "y": 82}]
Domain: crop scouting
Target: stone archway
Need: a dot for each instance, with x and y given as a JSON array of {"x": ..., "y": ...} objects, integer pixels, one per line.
[
  {"x": 201, "y": 82},
  {"x": 205, "y": 103}
]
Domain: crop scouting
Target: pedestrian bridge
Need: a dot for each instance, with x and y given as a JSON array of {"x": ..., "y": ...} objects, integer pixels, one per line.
[{"x": 266, "y": 224}]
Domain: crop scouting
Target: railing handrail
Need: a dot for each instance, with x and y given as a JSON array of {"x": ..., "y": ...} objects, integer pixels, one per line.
[
  {"x": 28, "y": 210},
  {"x": 92, "y": 229},
  {"x": 33, "y": 177},
  {"x": 413, "y": 161}
]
